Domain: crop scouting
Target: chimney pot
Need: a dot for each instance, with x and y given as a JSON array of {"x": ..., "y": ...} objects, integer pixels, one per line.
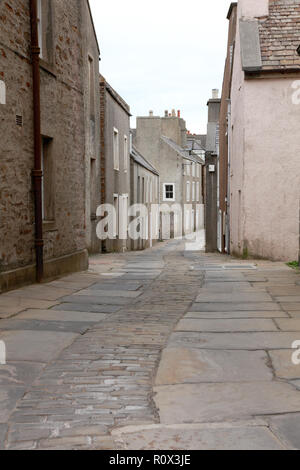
[
  {"x": 179, "y": 113},
  {"x": 166, "y": 113},
  {"x": 151, "y": 113},
  {"x": 173, "y": 113},
  {"x": 215, "y": 94}
]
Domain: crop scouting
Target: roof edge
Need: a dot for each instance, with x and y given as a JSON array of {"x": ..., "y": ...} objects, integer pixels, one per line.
[{"x": 231, "y": 8}]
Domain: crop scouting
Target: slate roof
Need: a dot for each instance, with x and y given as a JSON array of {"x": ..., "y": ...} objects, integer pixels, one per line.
[
  {"x": 140, "y": 160},
  {"x": 279, "y": 35},
  {"x": 184, "y": 153}
]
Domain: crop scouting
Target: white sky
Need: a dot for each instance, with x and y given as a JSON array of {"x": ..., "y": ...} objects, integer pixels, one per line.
[{"x": 163, "y": 54}]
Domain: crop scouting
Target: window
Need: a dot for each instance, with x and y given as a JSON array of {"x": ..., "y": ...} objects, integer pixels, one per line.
[
  {"x": 2, "y": 92},
  {"x": 45, "y": 29},
  {"x": 48, "y": 189},
  {"x": 116, "y": 150},
  {"x": 116, "y": 215},
  {"x": 188, "y": 169},
  {"x": 125, "y": 153},
  {"x": 169, "y": 192},
  {"x": 194, "y": 192},
  {"x": 198, "y": 170},
  {"x": 151, "y": 191},
  {"x": 188, "y": 191},
  {"x": 193, "y": 169},
  {"x": 198, "y": 192}
]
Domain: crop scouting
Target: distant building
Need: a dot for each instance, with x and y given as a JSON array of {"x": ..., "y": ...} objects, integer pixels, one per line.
[
  {"x": 212, "y": 193},
  {"x": 260, "y": 129},
  {"x": 163, "y": 142},
  {"x": 144, "y": 189},
  {"x": 115, "y": 162},
  {"x": 50, "y": 185}
]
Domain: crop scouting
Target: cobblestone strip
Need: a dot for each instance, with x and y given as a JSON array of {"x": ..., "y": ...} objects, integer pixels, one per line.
[{"x": 105, "y": 378}]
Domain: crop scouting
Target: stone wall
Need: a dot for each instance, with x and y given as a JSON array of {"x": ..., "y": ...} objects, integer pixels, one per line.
[{"x": 70, "y": 39}]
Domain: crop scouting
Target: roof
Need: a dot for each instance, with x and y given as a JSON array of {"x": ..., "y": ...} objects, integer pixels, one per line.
[
  {"x": 140, "y": 160},
  {"x": 115, "y": 96},
  {"x": 193, "y": 144},
  {"x": 184, "y": 153},
  {"x": 269, "y": 44},
  {"x": 280, "y": 35}
]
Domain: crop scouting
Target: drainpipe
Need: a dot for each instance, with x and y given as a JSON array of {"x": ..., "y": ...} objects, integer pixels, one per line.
[{"x": 37, "y": 173}]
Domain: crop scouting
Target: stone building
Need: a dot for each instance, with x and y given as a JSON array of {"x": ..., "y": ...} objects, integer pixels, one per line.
[
  {"x": 115, "y": 163},
  {"x": 144, "y": 190},
  {"x": 263, "y": 119},
  {"x": 60, "y": 138},
  {"x": 212, "y": 193},
  {"x": 163, "y": 142}
]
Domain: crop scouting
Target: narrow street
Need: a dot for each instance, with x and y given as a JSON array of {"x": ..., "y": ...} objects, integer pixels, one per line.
[{"x": 162, "y": 349}]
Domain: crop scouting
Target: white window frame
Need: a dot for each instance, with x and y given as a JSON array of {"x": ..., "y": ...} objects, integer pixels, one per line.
[
  {"x": 165, "y": 192},
  {"x": 116, "y": 149},
  {"x": 193, "y": 169},
  {"x": 198, "y": 192},
  {"x": 125, "y": 153},
  {"x": 193, "y": 191},
  {"x": 188, "y": 191}
]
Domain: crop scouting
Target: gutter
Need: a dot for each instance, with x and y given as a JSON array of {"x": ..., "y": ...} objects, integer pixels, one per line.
[{"x": 37, "y": 173}]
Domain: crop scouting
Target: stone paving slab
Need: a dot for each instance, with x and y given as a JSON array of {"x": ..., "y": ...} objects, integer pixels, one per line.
[
  {"x": 19, "y": 373},
  {"x": 182, "y": 365},
  {"x": 112, "y": 293},
  {"x": 231, "y": 341},
  {"x": 228, "y": 315},
  {"x": 226, "y": 325},
  {"x": 292, "y": 324},
  {"x": 3, "y": 432},
  {"x": 40, "y": 293},
  {"x": 232, "y": 307},
  {"x": 62, "y": 316},
  {"x": 227, "y": 436},
  {"x": 232, "y": 298},
  {"x": 35, "y": 346},
  {"x": 86, "y": 307},
  {"x": 94, "y": 299},
  {"x": 9, "y": 395},
  {"x": 224, "y": 401},
  {"x": 290, "y": 306},
  {"x": 116, "y": 286},
  {"x": 227, "y": 288},
  {"x": 20, "y": 303},
  {"x": 283, "y": 365},
  {"x": 45, "y": 325},
  {"x": 287, "y": 428}
]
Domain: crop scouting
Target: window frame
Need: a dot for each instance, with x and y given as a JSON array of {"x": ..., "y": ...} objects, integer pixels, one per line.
[
  {"x": 165, "y": 198},
  {"x": 116, "y": 149},
  {"x": 126, "y": 153}
]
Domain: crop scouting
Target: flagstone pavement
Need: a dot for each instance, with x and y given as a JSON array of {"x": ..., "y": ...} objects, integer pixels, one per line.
[{"x": 162, "y": 349}]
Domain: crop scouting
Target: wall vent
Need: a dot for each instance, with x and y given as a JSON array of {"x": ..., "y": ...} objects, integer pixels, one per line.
[{"x": 19, "y": 120}]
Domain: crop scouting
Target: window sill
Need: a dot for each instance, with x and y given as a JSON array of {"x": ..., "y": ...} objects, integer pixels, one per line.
[{"x": 49, "y": 226}]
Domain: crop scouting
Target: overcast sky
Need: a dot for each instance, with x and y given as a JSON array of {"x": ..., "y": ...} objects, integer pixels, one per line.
[{"x": 163, "y": 54}]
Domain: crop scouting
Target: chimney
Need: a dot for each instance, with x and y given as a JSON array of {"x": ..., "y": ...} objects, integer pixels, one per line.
[
  {"x": 166, "y": 113},
  {"x": 151, "y": 113},
  {"x": 173, "y": 113},
  {"x": 215, "y": 94},
  {"x": 179, "y": 113}
]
